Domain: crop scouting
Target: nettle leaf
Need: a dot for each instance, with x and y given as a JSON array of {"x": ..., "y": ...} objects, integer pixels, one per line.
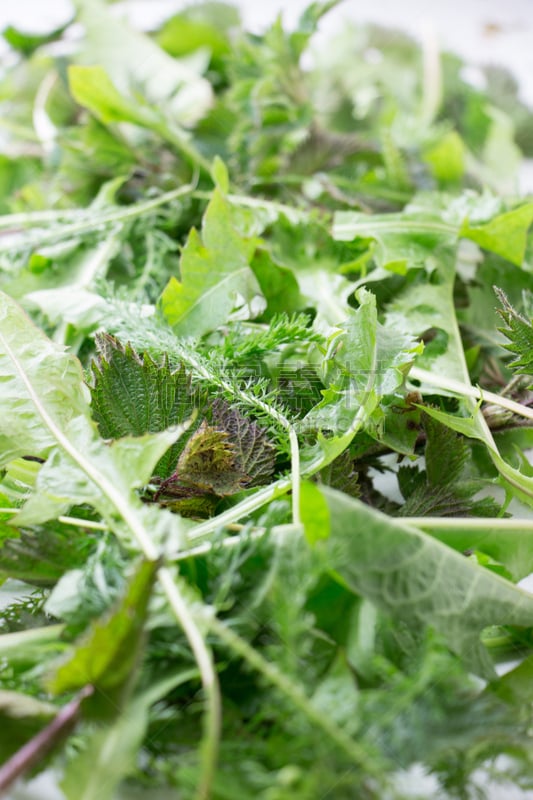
[
  {"x": 105, "y": 656},
  {"x": 416, "y": 578},
  {"x": 216, "y": 281},
  {"x": 223, "y": 457},
  {"x": 56, "y": 378},
  {"x": 255, "y": 454},
  {"x": 443, "y": 488},
  {"x": 519, "y": 332},
  {"x": 208, "y": 462},
  {"x": 133, "y": 395}
]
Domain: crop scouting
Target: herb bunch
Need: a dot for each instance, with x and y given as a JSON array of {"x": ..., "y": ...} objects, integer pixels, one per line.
[{"x": 265, "y": 356}]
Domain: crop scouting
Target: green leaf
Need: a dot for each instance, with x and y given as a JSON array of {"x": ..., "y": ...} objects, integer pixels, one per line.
[
  {"x": 21, "y": 717},
  {"x": 418, "y": 579},
  {"x": 403, "y": 241},
  {"x": 107, "y": 653},
  {"x": 135, "y": 62},
  {"x": 216, "y": 281},
  {"x": 364, "y": 362},
  {"x": 110, "y": 754},
  {"x": 92, "y": 88},
  {"x": 132, "y": 396},
  {"x": 508, "y": 541},
  {"x": 314, "y": 512},
  {"x": 56, "y": 377},
  {"x": 505, "y": 235},
  {"x": 443, "y": 488},
  {"x": 41, "y": 556},
  {"x": 519, "y": 332},
  {"x": 125, "y": 464}
]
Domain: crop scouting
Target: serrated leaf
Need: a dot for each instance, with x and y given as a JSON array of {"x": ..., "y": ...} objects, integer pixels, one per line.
[
  {"x": 216, "y": 281},
  {"x": 416, "y": 578},
  {"x": 208, "y": 462},
  {"x": 105, "y": 656},
  {"x": 254, "y": 453},
  {"x": 442, "y": 489},
  {"x": 519, "y": 332},
  {"x": 132, "y": 396}
]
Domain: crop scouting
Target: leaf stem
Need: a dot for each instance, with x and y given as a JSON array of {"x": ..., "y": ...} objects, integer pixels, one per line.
[
  {"x": 470, "y": 523},
  {"x": 89, "y": 220},
  {"x": 460, "y": 388},
  {"x": 149, "y": 549},
  {"x": 296, "y": 695},
  {"x": 77, "y": 522}
]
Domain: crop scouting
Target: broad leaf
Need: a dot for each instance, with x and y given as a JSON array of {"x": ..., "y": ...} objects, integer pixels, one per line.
[
  {"x": 505, "y": 235},
  {"x": 107, "y": 653},
  {"x": 418, "y": 579},
  {"x": 133, "y": 61},
  {"x": 216, "y": 281},
  {"x": 92, "y": 88},
  {"x": 33, "y": 370},
  {"x": 110, "y": 754}
]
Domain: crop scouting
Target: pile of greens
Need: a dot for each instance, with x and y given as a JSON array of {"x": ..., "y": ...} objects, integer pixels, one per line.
[{"x": 266, "y": 349}]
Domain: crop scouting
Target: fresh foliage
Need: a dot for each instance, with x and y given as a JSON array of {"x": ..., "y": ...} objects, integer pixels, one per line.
[{"x": 265, "y": 359}]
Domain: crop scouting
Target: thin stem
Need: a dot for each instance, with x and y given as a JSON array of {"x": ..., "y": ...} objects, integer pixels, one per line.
[
  {"x": 151, "y": 552},
  {"x": 204, "y": 659},
  {"x": 294, "y": 693},
  {"x": 470, "y": 523},
  {"x": 296, "y": 214},
  {"x": 91, "y": 220},
  {"x": 460, "y": 388},
  {"x": 180, "y": 142},
  {"x": 77, "y": 522},
  {"x": 345, "y": 231}
]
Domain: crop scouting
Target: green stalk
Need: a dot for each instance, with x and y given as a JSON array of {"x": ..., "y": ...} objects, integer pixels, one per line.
[
  {"x": 465, "y": 390},
  {"x": 90, "y": 219},
  {"x": 355, "y": 752},
  {"x": 184, "y": 147},
  {"x": 174, "y": 597}
]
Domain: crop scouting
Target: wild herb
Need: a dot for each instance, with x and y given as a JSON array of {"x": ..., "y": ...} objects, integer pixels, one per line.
[{"x": 264, "y": 420}]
